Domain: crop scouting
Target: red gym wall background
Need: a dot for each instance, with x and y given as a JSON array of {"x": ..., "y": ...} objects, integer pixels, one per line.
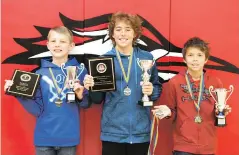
[{"x": 167, "y": 25}]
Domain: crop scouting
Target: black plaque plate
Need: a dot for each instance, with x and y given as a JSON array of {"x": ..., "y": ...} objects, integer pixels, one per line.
[
  {"x": 24, "y": 84},
  {"x": 103, "y": 72}
]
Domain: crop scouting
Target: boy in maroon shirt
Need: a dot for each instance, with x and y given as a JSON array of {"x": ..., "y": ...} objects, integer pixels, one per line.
[{"x": 186, "y": 100}]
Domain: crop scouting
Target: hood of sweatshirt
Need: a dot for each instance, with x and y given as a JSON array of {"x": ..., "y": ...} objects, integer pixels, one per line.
[{"x": 47, "y": 63}]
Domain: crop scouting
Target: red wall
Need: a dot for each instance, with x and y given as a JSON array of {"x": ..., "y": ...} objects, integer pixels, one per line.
[{"x": 214, "y": 20}]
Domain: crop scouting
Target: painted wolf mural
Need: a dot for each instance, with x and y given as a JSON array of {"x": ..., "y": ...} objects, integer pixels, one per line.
[{"x": 165, "y": 26}]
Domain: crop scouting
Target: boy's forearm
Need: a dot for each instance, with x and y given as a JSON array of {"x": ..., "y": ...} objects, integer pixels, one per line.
[
  {"x": 79, "y": 95},
  {"x": 84, "y": 102},
  {"x": 32, "y": 106},
  {"x": 157, "y": 86},
  {"x": 96, "y": 97}
]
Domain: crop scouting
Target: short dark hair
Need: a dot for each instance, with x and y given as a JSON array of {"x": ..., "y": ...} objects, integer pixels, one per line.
[
  {"x": 134, "y": 20},
  {"x": 198, "y": 43}
]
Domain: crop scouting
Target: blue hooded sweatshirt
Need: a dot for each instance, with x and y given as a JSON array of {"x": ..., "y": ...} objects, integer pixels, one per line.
[
  {"x": 123, "y": 119},
  {"x": 55, "y": 126}
]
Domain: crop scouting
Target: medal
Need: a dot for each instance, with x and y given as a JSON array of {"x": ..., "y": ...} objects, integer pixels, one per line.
[
  {"x": 127, "y": 91},
  {"x": 58, "y": 102},
  {"x": 198, "y": 119}
]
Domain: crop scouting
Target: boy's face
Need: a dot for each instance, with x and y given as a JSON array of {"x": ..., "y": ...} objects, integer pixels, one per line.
[
  {"x": 195, "y": 59},
  {"x": 59, "y": 44},
  {"x": 123, "y": 34}
]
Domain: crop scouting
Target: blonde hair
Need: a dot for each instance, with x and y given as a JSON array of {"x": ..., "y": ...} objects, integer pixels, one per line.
[{"x": 62, "y": 30}]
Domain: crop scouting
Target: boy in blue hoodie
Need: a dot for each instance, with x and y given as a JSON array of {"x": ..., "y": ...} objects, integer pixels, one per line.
[
  {"x": 57, "y": 130},
  {"x": 125, "y": 125}
]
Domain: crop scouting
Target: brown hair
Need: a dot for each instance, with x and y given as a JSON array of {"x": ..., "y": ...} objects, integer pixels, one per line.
[
  {"x": 134, "y": 20},
  {"x": 62, "y": 30},
  {"x": 196, "y": 43}
]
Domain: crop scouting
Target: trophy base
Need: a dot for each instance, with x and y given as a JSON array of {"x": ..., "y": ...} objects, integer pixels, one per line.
[
  {"x": 146, "y": 103},
  {"x": 70, "y": 97},
  {"x": 220, "y": 122}
]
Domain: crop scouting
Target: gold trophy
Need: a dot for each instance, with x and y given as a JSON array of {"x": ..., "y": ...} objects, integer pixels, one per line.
[
  {"x": 72, "y": 77},
  {"x": 145, "y": 65},
  {"x": 221, "y": 101}
]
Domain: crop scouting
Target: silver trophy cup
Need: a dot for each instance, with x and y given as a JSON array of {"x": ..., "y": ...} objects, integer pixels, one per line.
[
  {"x": 221, "y": 101},
  {"x": 145, "y": 65},
  {"x": 72, "y": 74}
]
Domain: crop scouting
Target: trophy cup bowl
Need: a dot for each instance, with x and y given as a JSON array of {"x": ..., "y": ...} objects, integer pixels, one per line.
[
  {"x": 72, "y": 77},
  {"x": 221, "y": 101},
  {"x": 145, "y": 65}
]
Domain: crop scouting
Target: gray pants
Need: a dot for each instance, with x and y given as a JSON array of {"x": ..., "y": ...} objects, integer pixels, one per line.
[{"x": 45, "y": 150}]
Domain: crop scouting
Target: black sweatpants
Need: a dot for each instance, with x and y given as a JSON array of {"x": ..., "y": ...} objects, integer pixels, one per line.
[
  {"x": 111, "y": 148},
  {"x": 186, "y": 153}
]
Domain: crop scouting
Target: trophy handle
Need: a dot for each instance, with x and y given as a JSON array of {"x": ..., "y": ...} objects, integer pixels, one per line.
[
  {"x": 62, "y": 69},
  {"x": 231, "y": 90},
  {"x": 153, "y": 61},
  {"x": 138, "y": 62},
  {"x": 81, "y": 68},
  {"x": 211, "y": 91}
]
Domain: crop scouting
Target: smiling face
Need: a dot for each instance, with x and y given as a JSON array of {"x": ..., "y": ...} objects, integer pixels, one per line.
[
  {"x": 59, "y": 45},
  {"x": 195, "y": 59},
  {"x": 123, "y": 34},
  {"x": 195, "y": 52}
]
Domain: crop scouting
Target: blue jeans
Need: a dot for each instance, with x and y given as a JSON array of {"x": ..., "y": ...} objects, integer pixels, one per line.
[
  {"x": 55, "y": 150},
  {"x": 184, "y": 153}
]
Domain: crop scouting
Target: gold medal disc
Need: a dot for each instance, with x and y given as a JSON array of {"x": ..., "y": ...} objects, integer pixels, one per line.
[
  {"x": 198, "y": 119},
  {"x": 58, "y": 102}
]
